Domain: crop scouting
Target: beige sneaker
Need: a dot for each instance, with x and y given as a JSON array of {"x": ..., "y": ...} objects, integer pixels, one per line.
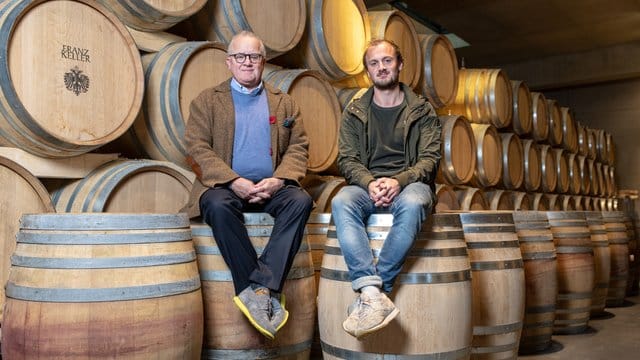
[
  {"x": 375, "y": 312},
  {"x": 351, "y": 323}
]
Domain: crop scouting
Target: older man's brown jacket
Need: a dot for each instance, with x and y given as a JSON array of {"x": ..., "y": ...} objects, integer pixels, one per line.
[{"x": 209, "y": 139}]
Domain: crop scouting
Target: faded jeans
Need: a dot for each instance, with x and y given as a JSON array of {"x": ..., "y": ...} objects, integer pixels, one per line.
[{"x": 351, "y": 208}]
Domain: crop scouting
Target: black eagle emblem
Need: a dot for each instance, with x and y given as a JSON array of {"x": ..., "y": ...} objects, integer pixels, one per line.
[{"x": 76, "y": 81}]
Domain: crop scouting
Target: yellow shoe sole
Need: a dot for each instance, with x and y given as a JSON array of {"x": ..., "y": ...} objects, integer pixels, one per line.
[
  {"x": 286, "y": 313},
  {"x": 253, "y": 322}
]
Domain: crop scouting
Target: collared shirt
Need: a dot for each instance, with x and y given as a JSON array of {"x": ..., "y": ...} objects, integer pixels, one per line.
[{"x": 235, "y": 85}]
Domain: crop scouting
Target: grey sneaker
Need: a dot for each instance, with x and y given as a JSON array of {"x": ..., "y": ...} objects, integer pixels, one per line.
[
  {"x": 279, "y": 315},
  {"x": 256, "y": 306},
  {"x": 376, "y": 311},
  {"x": 351, "y": 323}
]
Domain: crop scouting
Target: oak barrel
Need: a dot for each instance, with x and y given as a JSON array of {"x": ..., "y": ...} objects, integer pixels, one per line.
[
  {"x": 227, "y": 333},
  {"x": 619, "y": 246},
  {"x": 522, "y": 121},
  {"x": 439, "y": 80},
  {"x": 602, "y": 261},
  {"x": 471, "y": 198},
  {"x": 569, "y": 130},
  {"x": 458, "y": 150},
  {"x": 488, "y": 171},
  {"x": 447, "y": 199},
  {"x": 434, "y": 283},
  {"x": 153, "y": 15},
  {"x": 576, "y": 274},
  {"x": 555, "y": 123},
  {"x": 498, "y": 283},
  {"x": 512, "y": 161},
  {"x": 540, "y": 117},
  {"x": 64, "y": 94},
  {"x": 540, "y": 271},
  {"x": 103, "y": 286},
  {"x": 532, "y": 167}
]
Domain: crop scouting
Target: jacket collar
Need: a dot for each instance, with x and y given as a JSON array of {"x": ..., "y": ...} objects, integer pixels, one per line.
[{"x": 359, "y": 107}]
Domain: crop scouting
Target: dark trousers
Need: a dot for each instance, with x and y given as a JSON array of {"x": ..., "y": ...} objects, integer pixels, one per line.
[{"x": 223, "y": 210}]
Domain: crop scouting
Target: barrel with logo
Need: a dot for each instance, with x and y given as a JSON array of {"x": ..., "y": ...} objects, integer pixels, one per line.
[
  {"x": 320, "y": 110},
  {"x": 532, "y": 167},
  {"x": 439, "y": 75},
  {"x": 484, "y": 96},
  {"x": 103, "y": 286},
  {"x": 227, "y": 333},
  {"x": 522, "y": 121},
  {"x": 174, "y": 76},
  {"x": 396, "y": 26},
  {"x": 219, "y": 20},
  {"x": 498, "y": 283},
  {"x": 335, "y": 37},
  {"x": 540, "y": 271},
  {"x": 60, "y": 95},
  {"x": 555, "y": 123},
  {"x": 434, "y": 283},
  {"x": 512, "y": 161},
  {"x": 447, "y": 198},
  {"x": 488, "y": 170},
  {"x": 562, "y": 170},
  {"x": 576, "y": 272},
  {"x": 21, "y": 193},
  {"x": 133, "y": 186},
  {"x": 458, "y": 150},
  {"x": 540, "y": 117},
  {"x": 471, "y": 198},
  {"x": 548, "y": 171},
  {"x": 602, "y": 261},
  {"x": 150, "y": 15},
  {"x": 619, "y": 246}
]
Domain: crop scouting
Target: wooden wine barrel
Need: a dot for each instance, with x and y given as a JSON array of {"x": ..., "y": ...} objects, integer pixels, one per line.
[
  {"x": 540, "y": 272},
  {"x": 540, "y": 202},
  {"x": 484, "y": 96},
  {"x": 548, "y": 171},
  {"x": 499, "y": 199},
  {"x": 611, "y": 149},
  {"x": 619, "y": 246},
  {"x": 562, "y": 170},
  {"x": 568, "y": 202},
  {"x": 60, "y": 96},
  {"x": 569, "y": 130},
  {"x": 439, "y": 80},
  {"x": 555, "y": 202},
  {"x": 628, "y": 213},
  {"x": 322, "y": 190},
  {"x": 522, "y": 121},
  {"x": 317, "y": 227},
  {"x": 521, "y": 201},
  {"x": 591, "y": 143},
  {"x": 498, "y": 281},
  {"x": 576, "y": 272},
  {"x": 540, "y": 117},
  {"x": 472, "y": 199},
  {"x": 488, "y": 170},
  {"x": 512, "y": 161},
  {"x": 574, "y": 173},
  {"x": 103, "y": 286},
  {"x": 532, "y": 166},
  {"x": 584, "y": 174},
  {"x": 21, "y": 193},
  {"x": 396, "y": 26},
  {"x": 227, "y": 333},
  {"x": 434, "y": 283},
  {"x": 221, "y": 19},
  {"x": 174, "y": 76},
  {"x": 602, "y": 261},
  {"x": 320, "y": 110},
  {"x": 334, "y": 40},
  {"x": 447, "y": 198},
  {"x": 594, "y": 179},
  {"x": 555, "y": 123},
  {"x": 602, "y": 154},
  {"x": 132, "y": 186},
  {"x": 458, "y": 150},
  {"x": 153, "y": 15},
  {"x": 583, "y": 139}
]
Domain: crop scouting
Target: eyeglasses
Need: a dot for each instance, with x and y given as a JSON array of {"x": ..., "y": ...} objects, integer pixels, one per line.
[{"x": 240, "y": 57}]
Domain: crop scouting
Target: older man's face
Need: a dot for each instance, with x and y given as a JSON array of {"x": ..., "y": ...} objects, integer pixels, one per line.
[{"x": 248, "y": 72}]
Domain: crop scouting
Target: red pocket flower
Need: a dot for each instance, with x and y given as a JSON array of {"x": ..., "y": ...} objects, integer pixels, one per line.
[{"x": 272, "y": 120}]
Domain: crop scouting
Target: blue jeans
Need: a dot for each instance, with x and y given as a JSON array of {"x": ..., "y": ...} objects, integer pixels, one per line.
[{"x": 351, "y": 208}]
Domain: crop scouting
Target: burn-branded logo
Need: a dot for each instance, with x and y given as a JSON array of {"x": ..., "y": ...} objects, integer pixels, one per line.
[{"x": 76, "y": 81}]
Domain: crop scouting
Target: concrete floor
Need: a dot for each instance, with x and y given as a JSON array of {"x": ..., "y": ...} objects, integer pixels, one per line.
[{"x": 615, "y": 338}]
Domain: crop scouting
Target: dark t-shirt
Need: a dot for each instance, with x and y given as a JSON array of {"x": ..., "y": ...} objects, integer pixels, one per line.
[{"x": 386, "y": 137}]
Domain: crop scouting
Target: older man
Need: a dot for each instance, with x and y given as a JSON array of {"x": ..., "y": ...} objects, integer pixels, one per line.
[{"x": 249, "y": 150}]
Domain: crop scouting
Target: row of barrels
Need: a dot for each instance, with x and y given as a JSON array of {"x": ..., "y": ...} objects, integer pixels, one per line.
[
  {"x": 513, "y": 279},
  {"x": 480, "y": 156}
]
